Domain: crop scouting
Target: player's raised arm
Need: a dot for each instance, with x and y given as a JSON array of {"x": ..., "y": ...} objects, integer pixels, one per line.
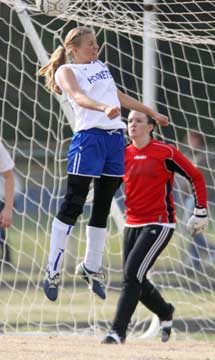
[{"x": 130, "y": 103}]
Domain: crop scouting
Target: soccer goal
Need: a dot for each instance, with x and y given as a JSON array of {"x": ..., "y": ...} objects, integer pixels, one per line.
[{"x": 161, "y": 52}]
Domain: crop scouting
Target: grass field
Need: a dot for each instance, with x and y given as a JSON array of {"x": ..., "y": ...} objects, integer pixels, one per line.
[
  {"x": 29, "y": 310},
  {"x": 23, "y": 306}
]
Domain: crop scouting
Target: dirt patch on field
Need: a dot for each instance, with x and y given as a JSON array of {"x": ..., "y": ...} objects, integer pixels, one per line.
[{"x": 36, "y": 347}]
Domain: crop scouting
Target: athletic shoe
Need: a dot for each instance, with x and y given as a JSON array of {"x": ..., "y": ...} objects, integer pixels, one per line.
[
  {"x": 50, "y": 286},
  {"x": 113, "y": 338},
  {"x": 166, "y": 326},
  {"x": 94, "y": 280}
]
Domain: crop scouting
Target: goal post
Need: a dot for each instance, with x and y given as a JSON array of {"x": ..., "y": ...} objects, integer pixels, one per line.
[{"x": 158, "y": 52}]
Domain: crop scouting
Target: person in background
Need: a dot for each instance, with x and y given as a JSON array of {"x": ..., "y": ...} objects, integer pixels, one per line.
[
  {"x": 150, "y": 166},
  {"x": 96, "y": 150},
  {"x": 193, "y": 148},
  {"x": 6, "y": 206}
]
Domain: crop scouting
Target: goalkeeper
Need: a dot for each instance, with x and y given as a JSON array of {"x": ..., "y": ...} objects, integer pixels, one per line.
[{"x": 150, "y": 220}]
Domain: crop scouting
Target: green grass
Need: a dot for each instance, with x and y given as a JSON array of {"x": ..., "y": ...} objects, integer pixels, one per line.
[
  {"x": 26, "y": 307},
  {"x": 29, "y": 242},
  {"x": 72, "y": 306},
  {"x": 23, "y": 305},
  {"x": 29, "y": 239}
]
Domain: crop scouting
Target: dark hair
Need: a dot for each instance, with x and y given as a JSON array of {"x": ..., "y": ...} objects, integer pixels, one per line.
[{"x": 152, "y": 122}]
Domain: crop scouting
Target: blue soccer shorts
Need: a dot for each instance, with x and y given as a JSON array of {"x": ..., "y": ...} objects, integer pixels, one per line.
[{"x": 97, "y": 152}]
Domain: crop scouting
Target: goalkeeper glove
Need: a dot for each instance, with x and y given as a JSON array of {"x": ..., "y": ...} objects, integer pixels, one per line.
[{"x": 198, "y": 222}]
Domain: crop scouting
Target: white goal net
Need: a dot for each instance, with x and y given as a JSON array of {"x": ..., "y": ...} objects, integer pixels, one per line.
[{"x": 36, "y": 127}]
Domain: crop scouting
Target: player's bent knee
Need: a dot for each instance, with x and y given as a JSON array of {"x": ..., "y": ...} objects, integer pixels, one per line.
[{"x": 71, "y": 209}]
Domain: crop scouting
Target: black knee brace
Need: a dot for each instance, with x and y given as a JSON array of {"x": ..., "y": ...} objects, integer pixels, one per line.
[{"x": 72, "y": 206}]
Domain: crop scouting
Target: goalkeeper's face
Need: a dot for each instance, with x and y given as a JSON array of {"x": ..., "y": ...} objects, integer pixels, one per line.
[
  {"x": 87, "y": 51},
  {"x": 139, "y": 126}
]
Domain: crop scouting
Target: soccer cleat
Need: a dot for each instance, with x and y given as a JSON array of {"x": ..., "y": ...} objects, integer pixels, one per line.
[
  {"x": 50, "y": 286},
  {"x": 113, "y": 338},
  {"x": 166, "y": 326},
  {"x": 94, "y": 280}
]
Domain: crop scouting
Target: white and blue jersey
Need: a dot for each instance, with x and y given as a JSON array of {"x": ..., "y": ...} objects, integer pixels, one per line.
[
  {"x": 96, "y": 81},
  {"x": 97, "y": 147}
]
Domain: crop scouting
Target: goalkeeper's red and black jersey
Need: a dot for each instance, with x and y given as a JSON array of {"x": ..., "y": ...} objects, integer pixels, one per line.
[{"x": 149, "y": 177}]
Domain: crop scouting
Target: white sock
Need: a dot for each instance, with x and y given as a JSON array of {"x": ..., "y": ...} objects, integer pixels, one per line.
[
  {"x": 95, "y": 248},
  {"x": 59, "y": 237}
]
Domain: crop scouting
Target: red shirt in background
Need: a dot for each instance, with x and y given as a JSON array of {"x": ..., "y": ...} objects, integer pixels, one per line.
[{"x": 149, "y": 177}]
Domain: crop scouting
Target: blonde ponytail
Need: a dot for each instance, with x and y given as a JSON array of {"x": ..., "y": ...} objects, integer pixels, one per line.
[
  {"x": 73, "y": 39},
  {"x": 58, "y": 58}
]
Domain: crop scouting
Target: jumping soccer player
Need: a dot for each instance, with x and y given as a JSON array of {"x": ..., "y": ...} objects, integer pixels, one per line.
[{"x": 96, "y": 150}]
